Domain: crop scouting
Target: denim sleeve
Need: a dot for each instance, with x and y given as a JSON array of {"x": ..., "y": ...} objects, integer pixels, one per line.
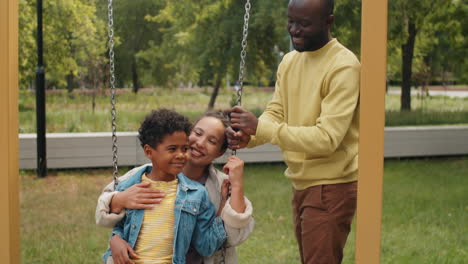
[
  {"x": 103, "y": 215},
  {"x": 209, "y": 234},
  {"x": 119, "y": 229}
]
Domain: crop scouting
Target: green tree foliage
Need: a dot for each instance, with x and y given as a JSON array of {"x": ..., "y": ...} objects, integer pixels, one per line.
[
  {"x": 426, "y": 35},
  {"x": 27, "y": 43},
  {"x": 446, "y": 59},
  {"x": 73, "y": 42},
  {"x": 136, "y": 34},
  {"x": 347, "y": 25},
  {"x": 203, "y": 38},
  {"x": 187, "y": 43}
]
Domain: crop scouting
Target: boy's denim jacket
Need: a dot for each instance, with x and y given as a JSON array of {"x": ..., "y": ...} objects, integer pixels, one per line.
[{"x": 195, "y": 220}]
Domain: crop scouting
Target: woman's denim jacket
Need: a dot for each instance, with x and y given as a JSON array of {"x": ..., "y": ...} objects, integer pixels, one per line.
[{"x": 194, "y": 214}]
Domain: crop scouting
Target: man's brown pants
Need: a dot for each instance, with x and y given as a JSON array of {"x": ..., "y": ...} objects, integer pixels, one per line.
[{"x": 322, "y": 218}]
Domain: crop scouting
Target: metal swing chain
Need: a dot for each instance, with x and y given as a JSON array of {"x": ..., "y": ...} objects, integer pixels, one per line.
[
  {"x": 112, "y": 88},
  {"x": 245, "y": 33},
  {"x": 243, "y": 54},
  {"x": 240, "y": 82}
]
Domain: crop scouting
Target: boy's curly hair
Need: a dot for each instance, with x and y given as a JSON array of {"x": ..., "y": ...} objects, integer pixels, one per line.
[{"x": 159, "y": 123}]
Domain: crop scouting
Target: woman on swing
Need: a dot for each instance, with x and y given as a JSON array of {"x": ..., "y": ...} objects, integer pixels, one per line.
[{"x": 207, "y": 142}]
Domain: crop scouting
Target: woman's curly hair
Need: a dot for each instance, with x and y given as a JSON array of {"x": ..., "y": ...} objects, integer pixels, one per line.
[{"x": 160, "y": 123}]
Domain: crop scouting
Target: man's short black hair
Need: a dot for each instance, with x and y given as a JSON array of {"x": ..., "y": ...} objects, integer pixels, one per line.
[
  {"x": 160, "y": 123},
  {"x": 329, "y": 5}
]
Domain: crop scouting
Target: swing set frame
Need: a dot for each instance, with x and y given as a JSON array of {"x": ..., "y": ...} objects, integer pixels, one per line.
[{"x": 371, "y": 144}]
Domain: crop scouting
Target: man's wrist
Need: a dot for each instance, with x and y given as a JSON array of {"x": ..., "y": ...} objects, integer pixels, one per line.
[{"x": 255, "y": 127}]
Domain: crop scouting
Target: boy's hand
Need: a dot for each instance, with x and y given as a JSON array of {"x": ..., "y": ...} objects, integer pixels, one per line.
[
  {"x": 225, "y": 192},
  {"x": 235, "y": 169},
  {"x": 139, "y": 196},
  {"x": 121, "y": 251}
]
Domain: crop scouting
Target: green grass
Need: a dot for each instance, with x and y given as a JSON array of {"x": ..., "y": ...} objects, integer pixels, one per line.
[
  {"x": 74, "y": 113},
  {"x": 421, "y": 118},
  {"x": 57, "y": 218},
  {"x": 424, "y": 215},
  {"x": 425, "y": 211},
  {"x": 429, "y": 103},
  {"x": 434, "y": 110}
]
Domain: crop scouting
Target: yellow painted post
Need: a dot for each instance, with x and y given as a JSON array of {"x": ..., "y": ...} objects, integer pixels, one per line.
[
  {"x": 9, "y": 178},
  {"x": 371, "y": 139}
]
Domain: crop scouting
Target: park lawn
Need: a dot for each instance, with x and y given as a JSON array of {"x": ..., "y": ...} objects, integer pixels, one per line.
[
  {"x": 424, "y": 215},
  {"x": 74, "y": 113}
]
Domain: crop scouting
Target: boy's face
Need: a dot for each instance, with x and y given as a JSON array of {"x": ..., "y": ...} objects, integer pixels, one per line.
[{"x": 169, "y": 157}]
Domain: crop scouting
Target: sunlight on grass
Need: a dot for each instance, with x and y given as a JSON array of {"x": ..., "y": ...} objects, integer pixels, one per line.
[
  {"x": 74, "y": 112},
  {"x": 425, "y": 211},
  {"x": 430, "y": 103},
  {"x": 57, "y": 217},
  {"x": 424, "y": 215}
]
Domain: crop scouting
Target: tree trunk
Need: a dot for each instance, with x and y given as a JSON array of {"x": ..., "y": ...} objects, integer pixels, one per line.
[
  {"x": 215, "y": 93},
  {"x": 135, "y": 76},
  {"x": 70, "y": 82},
  {"x": 407, "y": 67},
  {"x": 93, "y": 103}
]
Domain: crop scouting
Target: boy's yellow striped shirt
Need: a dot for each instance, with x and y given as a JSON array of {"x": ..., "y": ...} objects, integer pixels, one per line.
[{"x": 156, "y": 238}]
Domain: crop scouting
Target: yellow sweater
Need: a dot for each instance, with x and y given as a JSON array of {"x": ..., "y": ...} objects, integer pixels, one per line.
[{"x": 314, "y": 116}]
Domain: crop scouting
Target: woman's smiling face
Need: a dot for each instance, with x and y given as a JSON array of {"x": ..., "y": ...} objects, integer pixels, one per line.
[{"x": 206, "y": 141}]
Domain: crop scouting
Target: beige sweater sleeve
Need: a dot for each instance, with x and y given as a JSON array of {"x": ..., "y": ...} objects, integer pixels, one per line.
[
  {"x": 338, "y": 108},
  {"x": 238, "y": 226},
  {"x": 103, "y": 216}
]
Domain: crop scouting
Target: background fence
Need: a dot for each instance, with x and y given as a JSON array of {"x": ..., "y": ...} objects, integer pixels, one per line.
[{"x": 88, "y": 150}]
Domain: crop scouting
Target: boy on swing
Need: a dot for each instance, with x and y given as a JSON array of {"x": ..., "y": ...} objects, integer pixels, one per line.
[{"x": 185, "y": 216}]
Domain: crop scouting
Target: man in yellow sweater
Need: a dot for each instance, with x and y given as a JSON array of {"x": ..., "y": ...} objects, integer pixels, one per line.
[{"x": 314, "y": 118}]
